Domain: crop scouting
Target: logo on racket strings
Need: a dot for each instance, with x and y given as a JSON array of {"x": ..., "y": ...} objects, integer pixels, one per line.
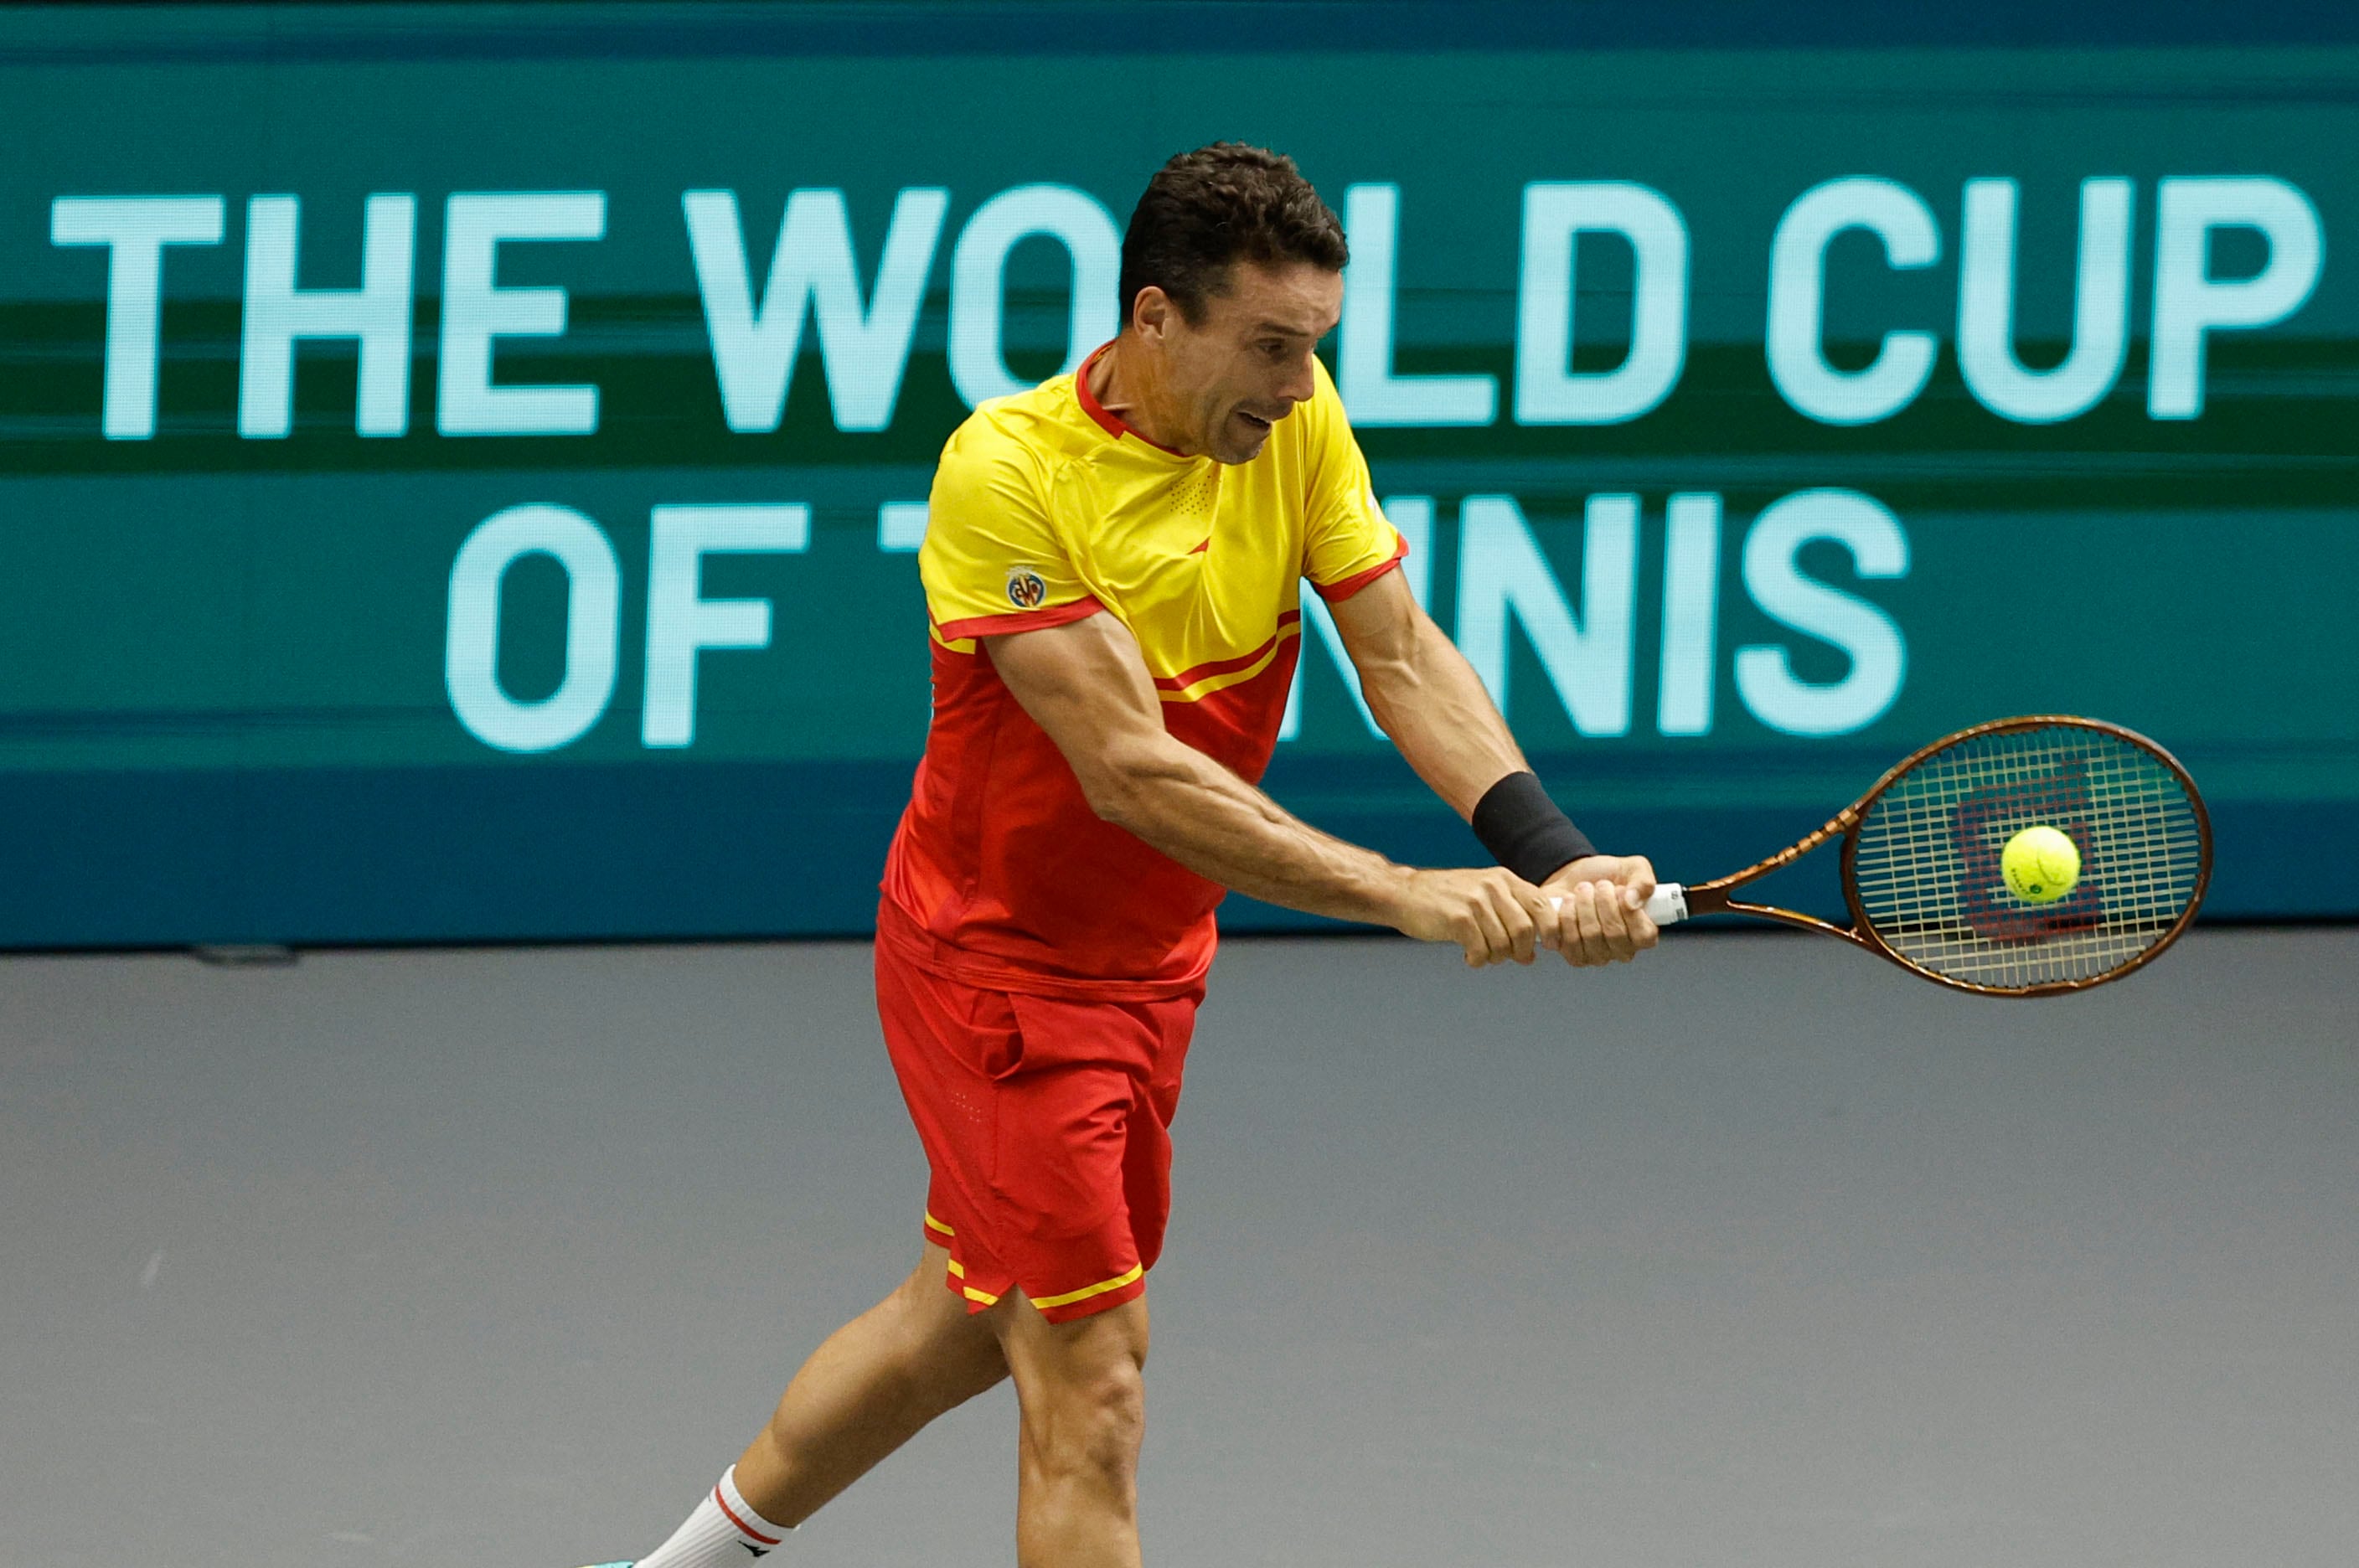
[{"x": 1987, "y": 818}]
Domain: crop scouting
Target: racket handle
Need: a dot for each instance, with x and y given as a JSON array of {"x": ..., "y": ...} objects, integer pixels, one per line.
[{"x": 1668, "y": 906}]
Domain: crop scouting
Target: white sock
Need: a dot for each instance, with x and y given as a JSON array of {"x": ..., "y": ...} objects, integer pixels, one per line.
[{"x": 719, "y": 1534}]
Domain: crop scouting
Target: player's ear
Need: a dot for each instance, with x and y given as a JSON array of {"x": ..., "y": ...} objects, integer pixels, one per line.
[{"x": 1150, "y": 311}]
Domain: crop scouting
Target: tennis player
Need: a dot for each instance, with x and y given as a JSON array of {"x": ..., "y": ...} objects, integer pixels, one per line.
[{"x": 1113, "y": 569}]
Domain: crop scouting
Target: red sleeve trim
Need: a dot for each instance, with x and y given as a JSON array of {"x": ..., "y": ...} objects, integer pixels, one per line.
[
  {"x": 1336, "y": 592},
  {"x": 1023, "y": 621}
]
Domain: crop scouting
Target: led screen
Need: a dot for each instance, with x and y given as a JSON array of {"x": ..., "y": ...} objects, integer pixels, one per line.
[{"x": 461, "y": 469}]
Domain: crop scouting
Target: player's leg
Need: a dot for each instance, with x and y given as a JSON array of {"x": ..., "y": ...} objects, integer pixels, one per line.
[
  {"x": 1083, "y": 1396},
  {"x": 860, "y": 1396},
  {"x": 866, "y": 1392}
]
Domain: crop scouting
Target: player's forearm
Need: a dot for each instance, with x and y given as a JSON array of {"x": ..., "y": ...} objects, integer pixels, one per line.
[
  {"x": 1204, "y": 816},
  {"x": 1438, "y": 712}
]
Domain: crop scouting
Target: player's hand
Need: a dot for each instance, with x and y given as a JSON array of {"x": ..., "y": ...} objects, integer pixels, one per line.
[
  {"x": 1601, "y": 908},
  {"x": 1492, "y": 913}
]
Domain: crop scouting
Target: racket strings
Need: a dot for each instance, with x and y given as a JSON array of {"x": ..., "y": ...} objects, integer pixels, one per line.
[{"x": 1927, "y": 861}]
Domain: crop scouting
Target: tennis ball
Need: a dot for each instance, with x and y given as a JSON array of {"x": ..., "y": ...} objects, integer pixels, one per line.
[{"x": 2040, "y": 864}]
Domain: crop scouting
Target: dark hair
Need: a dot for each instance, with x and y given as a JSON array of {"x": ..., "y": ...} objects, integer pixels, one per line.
[{"x": 1220, "y": 204}]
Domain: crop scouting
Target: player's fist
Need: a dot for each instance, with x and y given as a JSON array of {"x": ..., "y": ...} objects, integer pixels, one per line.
[
  {"x": 1600, "y": 906},
  {"x": 1491, "y": 914}
]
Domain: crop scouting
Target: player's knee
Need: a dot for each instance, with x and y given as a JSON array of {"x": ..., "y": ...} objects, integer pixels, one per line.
[{"x": 1090, "y": 1428}]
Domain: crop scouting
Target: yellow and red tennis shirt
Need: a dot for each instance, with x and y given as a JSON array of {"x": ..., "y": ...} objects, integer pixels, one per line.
[{"x": 1046, "y": 508}]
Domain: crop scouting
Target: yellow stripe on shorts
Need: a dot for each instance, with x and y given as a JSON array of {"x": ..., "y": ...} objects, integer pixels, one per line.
[{"x": 1100, "y": 1289}]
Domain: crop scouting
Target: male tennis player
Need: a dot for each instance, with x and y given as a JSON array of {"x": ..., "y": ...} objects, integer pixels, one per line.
[{"x": 1113, "y": 569}]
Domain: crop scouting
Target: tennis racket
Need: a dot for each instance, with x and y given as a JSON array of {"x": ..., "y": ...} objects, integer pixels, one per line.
[{"x": 1922, "y": 859}]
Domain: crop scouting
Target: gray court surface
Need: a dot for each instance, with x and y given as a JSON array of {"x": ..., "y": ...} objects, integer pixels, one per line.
[{"x": 1758, "y": 1253}]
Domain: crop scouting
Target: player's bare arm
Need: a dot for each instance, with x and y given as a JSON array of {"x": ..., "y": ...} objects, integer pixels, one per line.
[
  {"x": 1438, "y": 712},
  {"x": 1086, "y": 684}
]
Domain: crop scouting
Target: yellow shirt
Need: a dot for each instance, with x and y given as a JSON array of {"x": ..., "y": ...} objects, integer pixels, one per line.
[{"x": 1046, "y": 508}]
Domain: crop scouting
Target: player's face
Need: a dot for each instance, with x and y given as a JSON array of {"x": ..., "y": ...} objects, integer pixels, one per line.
[{"x": 1241, "y": 369}]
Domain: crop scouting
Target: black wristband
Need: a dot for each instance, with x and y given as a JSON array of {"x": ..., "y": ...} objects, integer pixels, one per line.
[{"x": 1523, "y": 829}]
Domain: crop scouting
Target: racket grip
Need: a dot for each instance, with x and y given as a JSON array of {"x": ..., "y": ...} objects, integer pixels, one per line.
[{"x": 1668, "y": 906}]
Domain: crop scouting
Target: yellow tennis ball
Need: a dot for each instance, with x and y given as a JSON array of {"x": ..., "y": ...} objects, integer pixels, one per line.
[{"x": 2040, "y": 864}]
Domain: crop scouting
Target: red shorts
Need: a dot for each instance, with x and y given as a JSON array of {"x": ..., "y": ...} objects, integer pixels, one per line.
[{"x": 1047, "y": 1123}]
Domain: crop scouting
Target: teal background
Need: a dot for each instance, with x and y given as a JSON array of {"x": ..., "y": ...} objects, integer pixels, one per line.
[{"x": 222, "y": 706}]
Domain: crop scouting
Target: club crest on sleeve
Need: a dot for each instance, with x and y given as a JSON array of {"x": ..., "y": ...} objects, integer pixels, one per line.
[{"x": 1025, "y": 589}]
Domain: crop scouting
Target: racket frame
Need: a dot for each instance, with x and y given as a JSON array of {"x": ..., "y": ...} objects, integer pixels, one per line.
[{"x": 1712, "y": 897}]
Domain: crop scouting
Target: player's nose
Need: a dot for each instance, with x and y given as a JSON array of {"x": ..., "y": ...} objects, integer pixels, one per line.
[{"x": 1298, "y": 385}]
